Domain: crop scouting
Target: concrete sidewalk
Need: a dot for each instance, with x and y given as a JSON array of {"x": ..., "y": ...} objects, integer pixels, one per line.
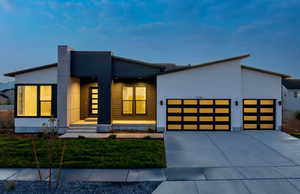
[
  {"x": 156, "y": 174},
  {"x": 92, "y": 175}
]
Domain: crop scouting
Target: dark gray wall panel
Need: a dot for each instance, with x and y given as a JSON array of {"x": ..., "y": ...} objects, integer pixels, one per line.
[{"x": 124, "y": 69}]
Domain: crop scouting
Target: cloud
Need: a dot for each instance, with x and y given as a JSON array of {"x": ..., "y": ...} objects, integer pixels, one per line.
[{"x": 5, "y": 4}]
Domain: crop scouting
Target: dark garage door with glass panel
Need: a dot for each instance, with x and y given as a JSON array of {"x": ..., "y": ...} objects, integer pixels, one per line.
[
  {"x": 259, "y": 114},
  {"x": 198, "y": 114}
]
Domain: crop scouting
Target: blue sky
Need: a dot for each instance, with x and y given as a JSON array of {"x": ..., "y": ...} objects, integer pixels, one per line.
[{"x": 177, "y": 31}]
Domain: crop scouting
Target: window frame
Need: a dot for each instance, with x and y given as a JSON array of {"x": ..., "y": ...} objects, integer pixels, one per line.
[
  {"x": 134, "y": 101},
  {"x": 53, "y": 100}
]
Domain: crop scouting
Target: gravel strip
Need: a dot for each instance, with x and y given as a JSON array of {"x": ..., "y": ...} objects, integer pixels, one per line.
[{"x": 80, "y": 188}]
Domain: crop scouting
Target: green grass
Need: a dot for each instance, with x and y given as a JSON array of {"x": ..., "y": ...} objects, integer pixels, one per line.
[
  {"x": 85, "y": 153},
  {"x": 295, "y": 134}
]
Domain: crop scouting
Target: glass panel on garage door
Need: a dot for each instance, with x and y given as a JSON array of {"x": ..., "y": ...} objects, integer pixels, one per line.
[
  {"x": 259, "y": 114},
  {"x": 201, "y": 115}
]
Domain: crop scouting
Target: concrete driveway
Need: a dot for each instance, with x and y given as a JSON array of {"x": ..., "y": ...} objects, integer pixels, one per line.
[
  {"x": 231, "y": 162},
  {"x": 231, "y": 149}
]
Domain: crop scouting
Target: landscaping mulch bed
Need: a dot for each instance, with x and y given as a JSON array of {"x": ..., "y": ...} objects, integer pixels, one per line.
[{"x": 80, "y": 188}]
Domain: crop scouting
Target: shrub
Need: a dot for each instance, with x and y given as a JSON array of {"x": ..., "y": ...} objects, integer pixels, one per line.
[
  {"x": 81, "y": 137},
  {"x": 298, "y": 115},
  {"x": 112, "y": 136},
  {"x": 10, "y": 185},
  {"x": 147, "y": 137},
  {"x": 150, "y": 130}
]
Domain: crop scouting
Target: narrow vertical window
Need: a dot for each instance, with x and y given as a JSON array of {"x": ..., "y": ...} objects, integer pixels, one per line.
[
  {"x": 140, "y": 100},
  {"x": 45, "y": 100},
  {"x": 127, "y": 100},
  {"x": 27, "y": 100}
]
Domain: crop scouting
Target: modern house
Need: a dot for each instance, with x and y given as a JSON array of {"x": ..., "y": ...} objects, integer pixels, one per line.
[{"x": 111, "y": 92}]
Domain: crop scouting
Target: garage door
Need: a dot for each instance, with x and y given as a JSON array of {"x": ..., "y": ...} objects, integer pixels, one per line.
[
  {"x": 259, "y": 114},
  {"x": 198, "y": 114}
]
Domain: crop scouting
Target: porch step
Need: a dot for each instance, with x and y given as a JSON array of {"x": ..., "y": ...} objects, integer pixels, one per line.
[
  {"x": 87, "y": 125},
  {"x": 81, "y": 130},
  {"x": 91, "y": 119}
]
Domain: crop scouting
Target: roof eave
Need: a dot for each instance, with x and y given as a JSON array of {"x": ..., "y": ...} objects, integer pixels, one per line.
[
  {"x": 265, "y": 71},
  {"x": 206, "y": 64},
  {"x": 13, "y": 74}
]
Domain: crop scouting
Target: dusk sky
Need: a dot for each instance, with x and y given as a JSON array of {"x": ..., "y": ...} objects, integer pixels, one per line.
[{"x": 176, "y": 31}]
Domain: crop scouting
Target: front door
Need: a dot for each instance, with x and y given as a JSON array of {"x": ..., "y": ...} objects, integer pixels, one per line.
[{"x": 93, "y": 101}]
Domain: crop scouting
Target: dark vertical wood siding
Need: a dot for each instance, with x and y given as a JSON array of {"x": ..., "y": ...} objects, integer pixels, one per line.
[{"x": 117, "y": 100}]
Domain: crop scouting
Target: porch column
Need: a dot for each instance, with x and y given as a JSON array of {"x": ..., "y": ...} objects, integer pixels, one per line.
[
  {"x": 63, "y": 84},
  {"x": 104, "y": 103},
  {"x": 104, "y": 96}
]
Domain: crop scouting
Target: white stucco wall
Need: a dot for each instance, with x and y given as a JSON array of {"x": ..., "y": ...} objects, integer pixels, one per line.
[
  {"x": 226, "y": 80},
  {"x": 260, "y": 85},
  {"x": 290, "y": 101},
  {"x": 213, "y": 81},
  {"x": 48, "y": 76},
  {"x": 44, "y": 76}
]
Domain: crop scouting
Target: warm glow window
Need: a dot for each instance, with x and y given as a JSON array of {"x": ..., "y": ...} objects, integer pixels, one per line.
[
  {"x": 27, "y": 101},
  {"x": 34, "y": 101},
  {"x": 140, "y": 100},
  {"x": 134, "y": 100},
  {"x": 127, "y": 100},
  {"x": 45, "y": 100}
]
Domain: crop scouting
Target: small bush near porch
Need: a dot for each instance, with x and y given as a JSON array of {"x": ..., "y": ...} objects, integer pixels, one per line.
[{"x": 84, "y": 153}]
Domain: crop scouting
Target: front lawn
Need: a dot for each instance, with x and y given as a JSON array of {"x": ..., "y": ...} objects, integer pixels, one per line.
[
  {"x": 84, "y": 153},
  {"x": 295, "y": 134}
]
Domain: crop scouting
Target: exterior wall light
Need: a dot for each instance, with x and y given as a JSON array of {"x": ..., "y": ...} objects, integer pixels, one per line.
[
  {"x": 279, "y": 102},
  {"x": 161, "y": 103},
  {"x": 236, "y": 103}
]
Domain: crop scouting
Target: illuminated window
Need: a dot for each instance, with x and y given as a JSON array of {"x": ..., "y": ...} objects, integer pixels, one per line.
[
  {"x": 190, "y": 110},
  {"x": 206, "y": 102},
  {"x": 206, "y": 127},
  {"x": 94, "y": 100},
  {"x": 174, "y": 110},
  {"x": 222, "y": 110},
  {"x": 250, "y": 118},
  {"x": 221, "y": 127},
  {"x": 205, "y": 110},
  {"x": 250, "y": 126},
  {"x": 190, "y": 127},
  {"x": 222, "y": 102},
  {"x": 266, "y": 102},
  {"x": 266, "y": 126},
  {"x": 190, "y": 118},
  {"x": 220, "y": 119},
  {"x": 45, "y": 100},
  {"x": 140, "y": 100},
  {"x": 266, "y": 118},
  {"x": 250, "y": 110},
  {"x": 174, "y": 118},
  {"x": 27, "y": 101},
  {"x": 134, "y": 96},
  {"x": 190, "y": 102},
  {"x": 202, "y": 118},
  {"x": 127, "y": 100},
  {"x": 31, "y": 98},
  {"x": 174, "y": 102},
  {"x": 250, "y": 102},
  {"x": 266, "y": 110},
  {"x": 174, "y": 127}
]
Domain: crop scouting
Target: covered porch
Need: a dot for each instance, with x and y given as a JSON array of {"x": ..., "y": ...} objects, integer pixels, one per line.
[{"x": 132, "y": 105}]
